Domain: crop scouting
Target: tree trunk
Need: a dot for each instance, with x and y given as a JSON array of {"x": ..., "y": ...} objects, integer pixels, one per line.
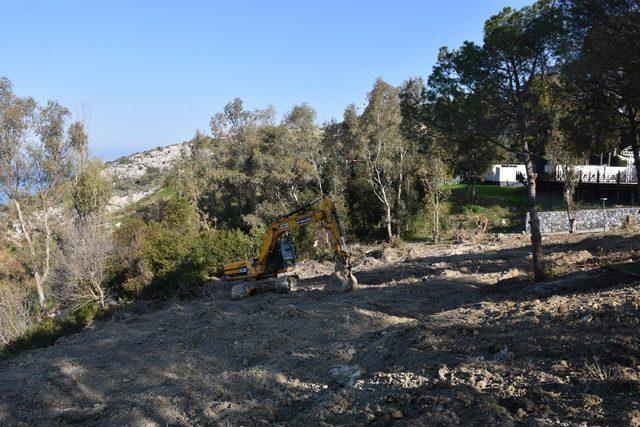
[
  {"x": 385, "y": 201},
  {"x": 436, "y": 219},
  {"x": 539, "y": 272},
  {"x": 636, "y": 155},
  {"x": 570, "y": 215},
  {"x": 318, "y": 176},
  {"x": 568, "y": 192},
  {"x": 471, "y": 189},
  {"x": 389, "y": 220},
  {"x": 101, "y": 295},
  {"x": 397, "y": 205},
  {"x": 39, "y": 289},
  {"x": 39, "y": 279}
]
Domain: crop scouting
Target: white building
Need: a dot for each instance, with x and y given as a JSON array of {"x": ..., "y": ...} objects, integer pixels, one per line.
[{"x": 505, "y": 175}]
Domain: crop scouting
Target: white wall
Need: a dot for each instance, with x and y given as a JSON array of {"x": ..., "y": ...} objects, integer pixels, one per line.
[{"x": 505, "y": 174}]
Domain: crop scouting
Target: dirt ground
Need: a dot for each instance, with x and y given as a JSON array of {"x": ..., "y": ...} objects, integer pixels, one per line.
[{"x": 436, "y": 335}]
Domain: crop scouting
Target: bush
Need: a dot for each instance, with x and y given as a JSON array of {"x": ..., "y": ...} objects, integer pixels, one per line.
[
  {"x": 50, "y": 329},
  {"x": 169, "y": 257},
  {"x": 421, "y": 224},
  {"x": 217, "y": 247},
  {"x": 165, "y": 249},
  {"x": 42, "y": 334},
  {"x": 87, "y": 313},
  {"x": 476, "y": 209},
  {"x": 179, "y": 215},
  {"x": 92, "y": 191},
  {"x": 128, "y": 274},
  {"x": 81, "y": 267},
  {"x": 15, "y": 311}
]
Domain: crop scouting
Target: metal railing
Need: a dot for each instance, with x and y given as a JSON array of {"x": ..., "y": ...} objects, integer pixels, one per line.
[{"x": 595, "y": 178}]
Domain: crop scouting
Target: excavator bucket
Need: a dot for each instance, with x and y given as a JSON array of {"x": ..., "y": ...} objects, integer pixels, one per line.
[{"x": 344, "y": 280}]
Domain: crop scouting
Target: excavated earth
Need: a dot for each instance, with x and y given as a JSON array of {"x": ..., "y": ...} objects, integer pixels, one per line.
[{"x": 435, "y": 335}]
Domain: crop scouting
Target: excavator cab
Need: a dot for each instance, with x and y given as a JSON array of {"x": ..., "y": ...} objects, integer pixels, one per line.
[
  {"x": 282, "y": 258},
  {"x": 286, "y": 255}
]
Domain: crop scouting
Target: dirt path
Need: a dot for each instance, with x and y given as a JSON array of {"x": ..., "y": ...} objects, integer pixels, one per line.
[{"x": 436, "y": 335}]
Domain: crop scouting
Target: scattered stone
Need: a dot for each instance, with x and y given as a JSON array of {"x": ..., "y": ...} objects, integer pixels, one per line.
[
  {"x": 396, "y": 414},
  {"x": 591, "y": 400},
  {"x": 346, "y": 375},
  {"x": 442, "y": 372},
  {"x": 504, "y": 355},
  {"x": 586, "y": 318}
]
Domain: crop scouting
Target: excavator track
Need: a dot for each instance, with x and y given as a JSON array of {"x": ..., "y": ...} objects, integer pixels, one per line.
[{"x": 274, "y": 284}]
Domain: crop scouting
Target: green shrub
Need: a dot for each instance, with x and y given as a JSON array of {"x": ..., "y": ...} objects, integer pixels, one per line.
[
  {"x": 309, "y": 242},
  {"x": 92, "y": 190},
  {"x": 420, "y": 225},
  {"x": 217, "y": 247},
  {"x": 179, "y": 262},
  {"x": 42, "y": 334},
  {"x": 169, "y": 257},
  {"x": 49, "y": 330},
  {"x": 179, "y": 215},
  {"x": 87, "y": 313},
  {"x": 475, "y": 209},
  {"x": 164, "y": 249}
]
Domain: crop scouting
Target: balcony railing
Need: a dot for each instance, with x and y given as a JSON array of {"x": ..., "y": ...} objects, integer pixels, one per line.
[{"x": 595, "y": 177}]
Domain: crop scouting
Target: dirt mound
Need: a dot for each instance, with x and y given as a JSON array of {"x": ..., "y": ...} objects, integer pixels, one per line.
[
  {"x": 307, "y": 269},
  {"x": 435, "y": 335}
]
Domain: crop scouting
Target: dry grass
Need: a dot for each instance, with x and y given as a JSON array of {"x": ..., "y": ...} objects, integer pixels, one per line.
[{"x": 598, "y": 371}]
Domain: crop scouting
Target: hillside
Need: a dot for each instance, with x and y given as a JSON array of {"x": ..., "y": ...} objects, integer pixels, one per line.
[
  {"x": 140, "y": 174},
  {"x": 445, "y": 334}
]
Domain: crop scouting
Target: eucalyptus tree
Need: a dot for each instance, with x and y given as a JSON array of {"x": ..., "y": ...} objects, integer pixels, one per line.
[
  {"x": 91, "y": 191},
  {"x": 191, "y": 177},
  {"x": 384, "y": 151},
  {"x": 258, "y": 169},
  {"x": 36, "y": 161},
  {"x": 303, "y": 142},
  {"x": 429, "y": 154}
]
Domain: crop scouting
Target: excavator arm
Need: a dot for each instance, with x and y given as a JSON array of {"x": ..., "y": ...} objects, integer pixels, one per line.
[{"x": 325, "y": 214}]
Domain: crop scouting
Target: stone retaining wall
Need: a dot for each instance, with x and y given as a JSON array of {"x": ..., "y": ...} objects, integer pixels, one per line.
[{"x": 586, "y": 220}]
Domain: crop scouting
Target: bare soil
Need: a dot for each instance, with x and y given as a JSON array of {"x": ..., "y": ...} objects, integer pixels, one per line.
[{"x": 437, "y": 335}]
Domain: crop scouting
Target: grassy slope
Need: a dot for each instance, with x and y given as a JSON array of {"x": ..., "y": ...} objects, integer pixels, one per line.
[
  {"x": 496, "y": 203},
  {"x": 504, "y": 207},
  {"x": 143, "y": 205}
]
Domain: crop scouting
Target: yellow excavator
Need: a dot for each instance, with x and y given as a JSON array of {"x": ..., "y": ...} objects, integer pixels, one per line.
[{"x": 276, "y": 254}]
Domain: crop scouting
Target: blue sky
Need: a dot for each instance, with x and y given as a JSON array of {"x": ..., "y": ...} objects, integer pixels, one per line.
[{"x": 145, "y": 74}]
